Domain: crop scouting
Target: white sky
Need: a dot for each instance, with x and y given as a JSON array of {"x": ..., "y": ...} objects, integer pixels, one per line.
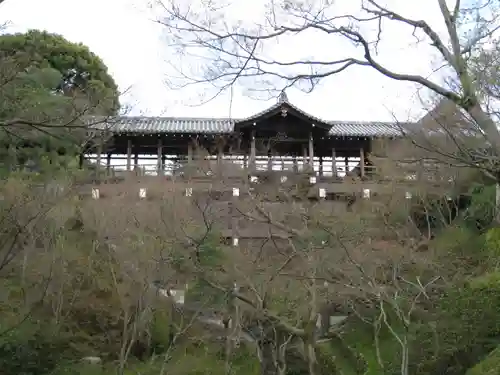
[{"x": 134, "y": 50}]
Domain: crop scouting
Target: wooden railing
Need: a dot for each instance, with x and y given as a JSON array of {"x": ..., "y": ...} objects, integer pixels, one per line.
[{"x": 211, "y": 168}]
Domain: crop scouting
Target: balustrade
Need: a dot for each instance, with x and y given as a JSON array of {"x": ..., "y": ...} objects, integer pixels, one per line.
[{"x": 235, "y": 165}]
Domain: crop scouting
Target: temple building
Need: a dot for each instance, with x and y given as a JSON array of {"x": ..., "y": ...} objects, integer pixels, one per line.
[
  {"x": 309, "y": 157},
  {"x": 281, "y": 138}
]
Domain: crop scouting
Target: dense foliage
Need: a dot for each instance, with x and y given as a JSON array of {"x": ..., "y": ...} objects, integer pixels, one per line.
[
  {"x": 48, "y": 85},
  {"x": 64, "y": 67}
]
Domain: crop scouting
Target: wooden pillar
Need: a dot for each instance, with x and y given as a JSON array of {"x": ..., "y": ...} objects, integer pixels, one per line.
[
  {"x": 253, "y": 153},
  {"x": 81, "y": 159},
  {"x": 304, "y": 155},
  {"x": 159, "y": 161},
  {"x": 311, "y": 151},
  {"x": 233, "y": 212},
  {"x": 190, "y": 151},
  {"x": 136, "y": 164},
  {"x": 269, "y": 161},
  {"x": 346, "y": 164},
  {"x": 129, "y": 155},
  {"x": 220, "y": 154},
  {"x": 99, "y": 154},
  {"x": 334, "y": 163},
  {"x": 108, "y": 162},
  {"x": 362, "y": 162},
  {"x": 295, "y": 164}
]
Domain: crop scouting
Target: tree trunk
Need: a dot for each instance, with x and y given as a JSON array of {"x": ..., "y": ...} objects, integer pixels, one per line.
[
  {"x": 492, "y": 134},
  {"x": 487, "y": 125},
  {"x": 268, "y": 364}
]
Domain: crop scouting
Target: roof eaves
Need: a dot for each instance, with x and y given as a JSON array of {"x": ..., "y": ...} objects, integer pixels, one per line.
[
  {"x": 259, "y": 114},
  {"x": 303, "y": 113},
  {"x": 152, "y": 125},
  {"x": 278, "y": 105},
  {"x": 365, "y": 129}
]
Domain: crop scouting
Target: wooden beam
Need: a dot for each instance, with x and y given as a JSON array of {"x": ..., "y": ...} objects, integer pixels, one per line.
[
  {"x": 362, "y": 162},
  {"x": 311, "y": 151},
  {"x": 253, "y": 153},
  {"x": 220, "y": 153},
  {"x": 304, "y": 154},
  {"x": 99, "y": 155},
  {"x": 190, "y": 151},
  {"x": 160, "y": 157},
  {"x": 108, "y": 162},
  {"x": 136, "y": 164},
  {"x": 129, "y": 155},
  {"x": 334, "y": 163}
]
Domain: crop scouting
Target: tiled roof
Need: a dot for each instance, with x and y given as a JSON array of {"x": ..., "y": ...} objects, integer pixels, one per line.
[
  {"x": 365, "y": 129},
  {"x": 150, "y": 125}
]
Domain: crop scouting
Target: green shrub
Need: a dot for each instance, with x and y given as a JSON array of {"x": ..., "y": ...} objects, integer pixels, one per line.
[
  {"x": 488, "y": 366},
  {"x": 161, "y": 329},
  {"x": 31, "y": 349},
  {"x": 481, "y": 210},
  {"x": 467, "y": 327}
]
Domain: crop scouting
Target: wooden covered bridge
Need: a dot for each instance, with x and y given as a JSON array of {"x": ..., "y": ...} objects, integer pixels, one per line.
[{"x": 283, "y": 139}]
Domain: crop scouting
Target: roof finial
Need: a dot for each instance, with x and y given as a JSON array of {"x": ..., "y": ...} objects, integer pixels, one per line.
[{"x": 282, "y": 98}]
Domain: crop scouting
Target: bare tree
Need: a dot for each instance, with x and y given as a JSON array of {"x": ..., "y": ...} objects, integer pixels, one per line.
[
  {"x": 232, "y": 52},
  {"x": 311, "y": 255},
  {"x": 33, "y": 215},
  {"x": 274, "y": 262}
]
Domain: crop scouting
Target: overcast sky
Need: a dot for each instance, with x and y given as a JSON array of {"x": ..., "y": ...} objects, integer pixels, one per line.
[{"x": 135, "y": 51}]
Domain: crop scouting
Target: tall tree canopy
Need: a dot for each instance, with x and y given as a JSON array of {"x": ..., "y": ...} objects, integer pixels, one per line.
[
  {"x": 47, "y": 85},
  {"x": 81, "y": 71}
]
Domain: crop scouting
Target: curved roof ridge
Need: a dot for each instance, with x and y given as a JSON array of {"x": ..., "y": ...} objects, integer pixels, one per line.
[
  {"x": 282, "y": 101},
  {"x": 183, "y": 118},
  {"x": 210, "y": 125}
]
